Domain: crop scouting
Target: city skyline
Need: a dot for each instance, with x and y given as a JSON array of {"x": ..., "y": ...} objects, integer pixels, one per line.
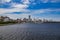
[{"x": 44, "y": 9}]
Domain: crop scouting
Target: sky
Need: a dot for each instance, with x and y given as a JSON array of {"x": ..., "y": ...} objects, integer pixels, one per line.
[{"x": 39, "y": 9}]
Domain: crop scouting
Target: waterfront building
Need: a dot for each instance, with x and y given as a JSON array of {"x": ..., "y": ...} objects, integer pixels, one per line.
[
  {"x": 18, "y": 20},
  {"x": 4, "y": 19},
  {"x": 29, "y": 18},
  {"x": 45, "y": 20},
  {"x": 1, "y": 18},
  {"x": 25, "y": 20}
]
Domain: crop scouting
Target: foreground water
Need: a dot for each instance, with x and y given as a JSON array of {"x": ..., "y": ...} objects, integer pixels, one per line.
[{"x": 30, "y": 31}]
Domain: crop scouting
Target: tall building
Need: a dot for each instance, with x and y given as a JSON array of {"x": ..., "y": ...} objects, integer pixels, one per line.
[{"x": 29, "y": 18}]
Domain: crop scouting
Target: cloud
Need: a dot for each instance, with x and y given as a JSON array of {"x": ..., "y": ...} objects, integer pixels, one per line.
[
  {"x": 44, "y": 1},
  {"x": 20, "y": 6},
  {"x": 54, "y": 1},
  {"x": 25, "y": 2},
  {"x": 4, "y": 1},
  {"x": 15, "y": 7},
  {"x": 44, "y": 11},
  {"x": 2, "y": 10},
  {"x": 12, "y": 10},
  {"x": 7, "y": 0}
]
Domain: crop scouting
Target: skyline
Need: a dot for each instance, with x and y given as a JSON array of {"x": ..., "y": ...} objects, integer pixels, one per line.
[{"x": 47, "y": 9}]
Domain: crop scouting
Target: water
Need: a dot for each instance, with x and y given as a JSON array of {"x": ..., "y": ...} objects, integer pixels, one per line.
[{"x": 30, "y": 31}]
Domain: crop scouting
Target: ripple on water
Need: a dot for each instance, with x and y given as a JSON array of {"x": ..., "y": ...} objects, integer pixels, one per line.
[{"x": 28, "y": 32}]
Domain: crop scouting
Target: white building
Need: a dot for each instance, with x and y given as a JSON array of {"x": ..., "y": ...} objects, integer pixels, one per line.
[{"x": 6, "y": 19}]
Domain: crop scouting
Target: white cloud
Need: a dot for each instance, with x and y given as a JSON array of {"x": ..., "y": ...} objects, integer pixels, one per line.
[
  {"x": 44, "y": 11},
  {"x": 21, "y": 6},
  {"x": 38, "y": 11},
  {"x": 54, "y": 1},
  {"x": 44, "y": 1},
  {"x": 2, "y": 10},
  {"x": 25, "y": 2},
  {"x": 4, "y": 1},
  {"x": 15, "y": 7},
  {"x": 7, "y": 0}
]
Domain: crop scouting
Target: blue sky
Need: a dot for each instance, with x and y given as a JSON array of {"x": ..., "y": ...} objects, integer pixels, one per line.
[{"x": 43, "y": 9}]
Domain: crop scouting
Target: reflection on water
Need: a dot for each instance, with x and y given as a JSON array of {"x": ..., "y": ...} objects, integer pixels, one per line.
[{"x": 30, "y": 31}]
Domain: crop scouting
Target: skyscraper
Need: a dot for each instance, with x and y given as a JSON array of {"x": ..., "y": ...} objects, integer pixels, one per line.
[{"x": 29, "y": 18}]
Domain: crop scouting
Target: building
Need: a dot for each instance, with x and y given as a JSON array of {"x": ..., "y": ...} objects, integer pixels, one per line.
[
  {"x": 45, "y": 20},
  {"x": 4, "y": 19},
  {"x": 29, "y": 18},
  {"x": 25, "y": 20},
  {"x": 18, "y": 20},
  {"x": 1, "y": 18}
]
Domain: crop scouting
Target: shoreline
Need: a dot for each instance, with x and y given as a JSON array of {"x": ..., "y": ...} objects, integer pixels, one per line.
[
  {"x": 6, "y": 24},
  {"x": 23, "y": 23}
]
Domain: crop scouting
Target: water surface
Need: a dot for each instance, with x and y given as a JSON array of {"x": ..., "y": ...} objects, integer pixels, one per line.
[{"x": 30, "y": 31}]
